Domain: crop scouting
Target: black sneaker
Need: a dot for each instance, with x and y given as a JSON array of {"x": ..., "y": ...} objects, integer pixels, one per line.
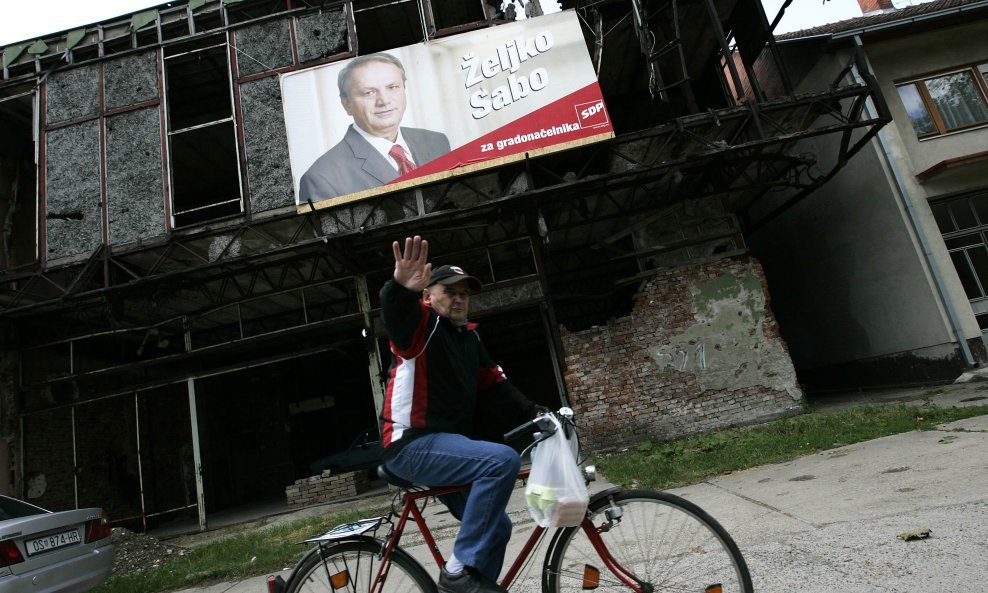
[{"x": 467, "y": 581}]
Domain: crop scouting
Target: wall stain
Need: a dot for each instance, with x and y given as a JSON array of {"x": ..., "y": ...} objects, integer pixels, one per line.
[{"x": 726, "y": 346}]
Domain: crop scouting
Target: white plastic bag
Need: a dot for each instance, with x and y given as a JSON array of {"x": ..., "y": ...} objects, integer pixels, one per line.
[{"x": 556, "y": 492}]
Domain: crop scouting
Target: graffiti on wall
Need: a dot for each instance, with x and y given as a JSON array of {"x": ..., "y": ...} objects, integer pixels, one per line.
[{"x": 683, "y": 358}]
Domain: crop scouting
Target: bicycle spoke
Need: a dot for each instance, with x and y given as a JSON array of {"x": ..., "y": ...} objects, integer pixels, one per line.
[
  {"x": 656, "y": 540},
  {"x": 355, "y": 567}
]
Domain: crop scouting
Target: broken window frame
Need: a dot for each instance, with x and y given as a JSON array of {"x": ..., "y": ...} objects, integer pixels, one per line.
[
  {"x": 918, "y": 89},
  {"x": 32, "y": 257},
  {"x": 434, "y": 30},
  {"x": 180, "y": 217},
  {"x": 427, "y": 17}
]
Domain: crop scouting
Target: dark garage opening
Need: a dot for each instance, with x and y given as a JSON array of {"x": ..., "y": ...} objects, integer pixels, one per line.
[{"x": 260, "y": 428}]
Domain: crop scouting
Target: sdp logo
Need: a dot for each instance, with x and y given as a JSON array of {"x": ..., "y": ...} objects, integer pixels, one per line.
[{"x": 592, "y": 114}]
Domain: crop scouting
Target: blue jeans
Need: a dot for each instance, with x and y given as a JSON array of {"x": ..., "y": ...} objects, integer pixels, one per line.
[{"x": 444, "y": 459}]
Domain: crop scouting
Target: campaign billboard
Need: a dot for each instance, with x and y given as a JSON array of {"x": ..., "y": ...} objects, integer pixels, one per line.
[{"x": 451, "y": 105}]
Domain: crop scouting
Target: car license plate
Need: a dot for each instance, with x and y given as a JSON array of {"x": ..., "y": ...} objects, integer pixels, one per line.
[{"x": 51, "y": 542}]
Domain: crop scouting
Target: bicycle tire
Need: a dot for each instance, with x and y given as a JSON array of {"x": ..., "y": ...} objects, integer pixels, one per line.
[
  {"x": 356, "y": 563},
  {"x": 669, "y": 543}
]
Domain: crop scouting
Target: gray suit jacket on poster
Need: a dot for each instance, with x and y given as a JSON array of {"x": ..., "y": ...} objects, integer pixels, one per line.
[{"x": 354, "y": 165}]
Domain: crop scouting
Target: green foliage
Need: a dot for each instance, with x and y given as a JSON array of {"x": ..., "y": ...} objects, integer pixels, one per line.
[
  {"x": 684, "y": 461},
  {"x": 243, "y": 555}
]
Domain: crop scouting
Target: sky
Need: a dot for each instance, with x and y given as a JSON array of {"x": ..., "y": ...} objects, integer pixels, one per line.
[{"x": 26, "y": 21}]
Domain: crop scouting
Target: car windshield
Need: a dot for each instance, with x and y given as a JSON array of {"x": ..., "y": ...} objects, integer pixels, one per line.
[{"x": 11, "y": 508}]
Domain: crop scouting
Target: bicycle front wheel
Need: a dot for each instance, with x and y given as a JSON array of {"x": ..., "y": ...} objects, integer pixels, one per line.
[
  {"x": 658, "y": 541},
  {"x": 354, "y": 567}
]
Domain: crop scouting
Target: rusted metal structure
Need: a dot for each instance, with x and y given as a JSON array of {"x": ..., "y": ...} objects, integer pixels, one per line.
[{"x": 704, "y": 117}]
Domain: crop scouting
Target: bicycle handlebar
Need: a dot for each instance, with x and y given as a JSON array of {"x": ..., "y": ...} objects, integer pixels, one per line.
[{"x": 542, "y": 424}]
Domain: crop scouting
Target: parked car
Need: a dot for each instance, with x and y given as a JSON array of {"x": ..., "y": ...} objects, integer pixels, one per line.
[
  {"x": 52, "y": 552},
  {"x": 363, "y": 453}
]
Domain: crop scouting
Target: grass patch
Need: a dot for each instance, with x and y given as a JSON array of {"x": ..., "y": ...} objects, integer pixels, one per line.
[
  {"x": 247, "y": 554},
  {"x": 664, "y": 465},
  {"x": 658, "y": 465}
]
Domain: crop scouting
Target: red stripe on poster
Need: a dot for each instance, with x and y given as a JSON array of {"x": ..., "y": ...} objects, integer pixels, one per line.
[{"x": 578, "y": 115}]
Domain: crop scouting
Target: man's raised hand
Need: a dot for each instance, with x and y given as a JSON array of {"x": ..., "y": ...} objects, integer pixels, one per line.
[{"x": 412, "y": 269}]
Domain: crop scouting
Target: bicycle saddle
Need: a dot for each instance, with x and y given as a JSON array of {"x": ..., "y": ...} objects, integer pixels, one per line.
[{"x": 390, "y": 478}]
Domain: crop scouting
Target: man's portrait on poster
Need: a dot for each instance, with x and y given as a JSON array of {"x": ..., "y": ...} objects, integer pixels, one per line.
[{"x": 376, "y": 149}]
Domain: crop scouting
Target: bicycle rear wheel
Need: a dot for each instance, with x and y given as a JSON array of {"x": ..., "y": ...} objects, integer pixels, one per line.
[
  {"x": 353, "y": 566},
  {"x": 666, "y": 543}
]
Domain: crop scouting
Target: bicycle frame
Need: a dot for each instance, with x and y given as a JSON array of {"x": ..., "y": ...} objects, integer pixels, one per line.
[{"x": 410, "y": 509}]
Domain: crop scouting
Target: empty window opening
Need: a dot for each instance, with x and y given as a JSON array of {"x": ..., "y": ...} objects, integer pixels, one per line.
[
  {"x": 147, "y": 35},
  {"x": 383, "y": 24},
  {"x": 248, "y": 11},
  {"x": 202, "y": 136},
  {"x": 117, "y": 38},
  {"x": 18, "y": 179},
  {"x": 87, "y": 49},
  {"x": 209, "y": 17},
  {"x": 454, "y": 15},
  {"x": 174, "y": 24}
]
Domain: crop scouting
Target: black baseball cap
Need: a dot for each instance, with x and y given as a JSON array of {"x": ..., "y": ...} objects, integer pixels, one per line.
[{"x": 452, "y": 275}]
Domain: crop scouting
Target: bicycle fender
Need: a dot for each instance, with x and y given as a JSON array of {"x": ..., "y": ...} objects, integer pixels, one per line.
[
  {"x": 315, "y": 550},
  {"x": 602, "y": 495}
]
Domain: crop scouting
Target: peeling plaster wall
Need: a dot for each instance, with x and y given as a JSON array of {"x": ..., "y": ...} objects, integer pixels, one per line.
[
  {"x": 74, "y": 208},
  {"x": 729, "y": 314},
  {"x": 700, "y": 350},
  {"x": 320, "y": 34},
  {"x": 263, "y": 47},
  {"x": 134, "y": 194},
  {"x": 269, "y": 173},
  {"x": 130, "y": 80}
]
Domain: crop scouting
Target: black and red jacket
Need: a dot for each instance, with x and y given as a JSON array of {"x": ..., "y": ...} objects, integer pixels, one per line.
[{"x": 441, "y": 378}]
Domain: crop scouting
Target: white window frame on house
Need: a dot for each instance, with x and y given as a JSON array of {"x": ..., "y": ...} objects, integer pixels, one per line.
[
  {"x": 927, "y": 111},
  {"x": 963, "y": 223}
]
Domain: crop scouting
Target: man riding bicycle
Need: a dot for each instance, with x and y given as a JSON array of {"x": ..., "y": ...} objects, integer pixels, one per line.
[{"x": 440, "y": 384}]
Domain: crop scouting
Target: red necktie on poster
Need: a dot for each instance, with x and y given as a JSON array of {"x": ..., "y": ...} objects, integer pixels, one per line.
[{"x": 404, "y": 164}]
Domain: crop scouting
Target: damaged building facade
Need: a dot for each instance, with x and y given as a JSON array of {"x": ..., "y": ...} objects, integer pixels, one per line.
[{"x": 180, "y": 336}]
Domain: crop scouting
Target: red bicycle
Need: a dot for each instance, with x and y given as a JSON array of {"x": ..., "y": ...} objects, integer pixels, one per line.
[{"x": 638, "y": 541}]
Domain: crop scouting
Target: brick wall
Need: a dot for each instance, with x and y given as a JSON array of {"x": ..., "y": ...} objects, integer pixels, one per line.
[
  {"x": 701, "y": 350},
  {"x": 326, "y": 487},
  {"x": 48, "y": 466},
  {"x": 9, "y": 425}
]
